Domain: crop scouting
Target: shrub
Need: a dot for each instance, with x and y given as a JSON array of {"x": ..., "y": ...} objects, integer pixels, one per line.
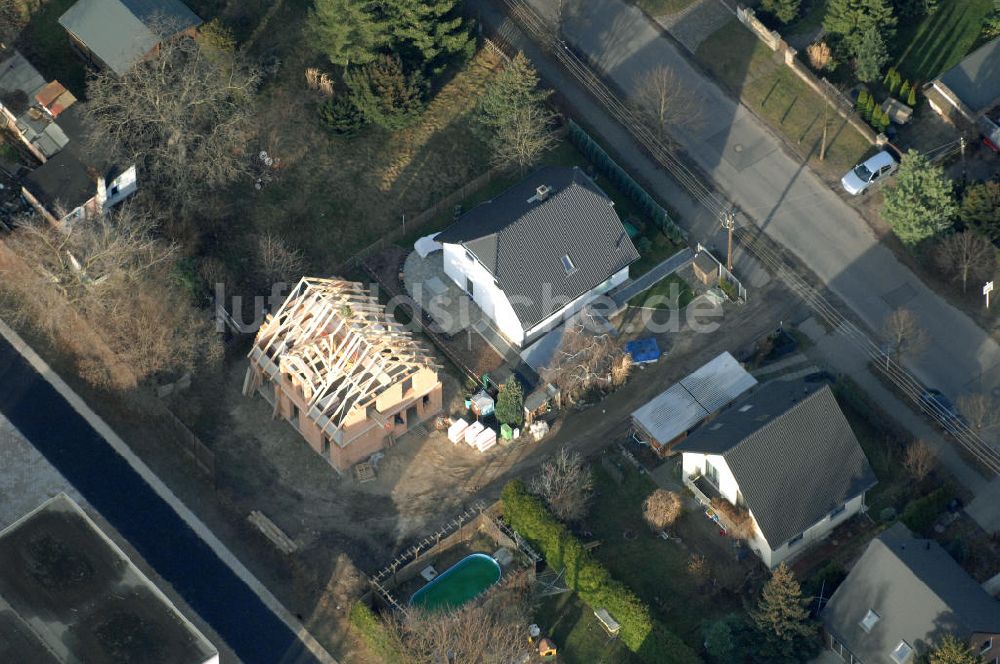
[
  {"x": 740, "y": 522},
  {"x": 920, "y": 515},
  {"x": 641, "y": 633},
  {"x": 510, "y": 403},
  {"x": 820, "y": 56},
  {"x": 385, "y": 94},
  {"x": 911, "y": 99},
  {"x": 904, "y": 90},
  {"x": 661, "y": 509},
  {"x": 341, "y": 116},
  {"x": 374, "y": 633},
  {"x": 892, "y": 80}
]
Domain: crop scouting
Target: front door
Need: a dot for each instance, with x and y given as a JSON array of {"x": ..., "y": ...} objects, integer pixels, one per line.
[{"x": 711, "y": 474}]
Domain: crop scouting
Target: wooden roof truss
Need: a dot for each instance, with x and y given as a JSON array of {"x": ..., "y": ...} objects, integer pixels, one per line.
[{"x": 339, "y": 346}]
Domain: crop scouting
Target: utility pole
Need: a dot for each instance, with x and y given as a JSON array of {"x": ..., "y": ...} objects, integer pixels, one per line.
[
  {"x": 826, "y": 127},
  {"x": 729, "y": 223},
  {"x": 961, "y": 146}
]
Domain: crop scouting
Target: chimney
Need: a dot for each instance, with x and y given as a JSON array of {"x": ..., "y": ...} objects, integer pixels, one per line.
[
  {"x": 102, "y": 193},
  {"x": 541, "y": 193}
]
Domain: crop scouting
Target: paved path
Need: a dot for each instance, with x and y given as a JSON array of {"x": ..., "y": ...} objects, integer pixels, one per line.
[
  {"x": 175, "y": 543},
  {"x": 654, "y": 276},
  {"x": 779, "y": 194}
]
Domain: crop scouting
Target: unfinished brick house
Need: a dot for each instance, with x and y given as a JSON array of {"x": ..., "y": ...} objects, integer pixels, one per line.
[{"x": 346, "y": 375}]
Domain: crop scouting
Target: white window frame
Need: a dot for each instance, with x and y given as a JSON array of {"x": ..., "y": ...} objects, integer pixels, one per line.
[{"x": 867, "y": 624}]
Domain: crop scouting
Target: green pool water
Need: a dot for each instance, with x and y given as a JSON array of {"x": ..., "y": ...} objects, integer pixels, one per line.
[{"x": 459, "y": 583}]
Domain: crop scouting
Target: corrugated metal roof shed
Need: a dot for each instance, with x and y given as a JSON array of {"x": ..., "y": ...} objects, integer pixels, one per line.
[
  {"x": 719, "y": 382},
  {"x": 694, "y": 398}
]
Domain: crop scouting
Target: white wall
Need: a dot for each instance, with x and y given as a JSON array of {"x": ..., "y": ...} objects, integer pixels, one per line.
[
  {"x": 470, "y": 274},
  {"x": 126, "y": 183},
  {"x": 770, "y": 553},
  {"x": 576, "y": 305}
]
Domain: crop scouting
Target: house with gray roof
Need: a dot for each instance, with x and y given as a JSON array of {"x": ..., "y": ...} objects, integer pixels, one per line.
[
  {"x": 116, "y": 34},
  {"x": 785, "y": 455},
  {"x": 970, "y": 88},
  {"x": 901, "y": 597},
  {"x": 539, "y": 252}
]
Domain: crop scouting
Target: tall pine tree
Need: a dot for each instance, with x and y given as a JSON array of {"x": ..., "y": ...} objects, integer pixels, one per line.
[
  {"x": 782, "y": 621},
  {"x": 349, "y": 32},
  {"x": 850, "y": 19},
  {"x": 513, "y": 89},
  {"x": 510, "y": 403},
  {"x": 921, "y": 203},
  {"x": 783, "y": 10},
  {"x": 870, "y": 56},
  {"x": 431, "y": 31}
]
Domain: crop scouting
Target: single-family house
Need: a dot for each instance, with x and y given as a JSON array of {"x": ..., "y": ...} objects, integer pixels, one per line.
[
  {"x": 115, "y": 34},
  {"x": 74, "y": 182},
  {"x": 70, "y": 594},
  {"x": 901, "y": 597},
  {"x": 669, "y": 417},
  {"x": 350, "y": 379},
  {"x": 539, "y": 252},
  {"x": 786, "y": 455},
  {"x": 77, "y": 183},
  {"x": 970, "y": 88}
]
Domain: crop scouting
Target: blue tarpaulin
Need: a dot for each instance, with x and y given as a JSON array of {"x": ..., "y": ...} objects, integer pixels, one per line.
[{"x": 643, "y": 351}]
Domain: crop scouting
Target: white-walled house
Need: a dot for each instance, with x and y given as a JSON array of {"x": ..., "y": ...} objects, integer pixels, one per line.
[
  {"x": 539, "y": 252},
  {"x": 787, "y": 454}
]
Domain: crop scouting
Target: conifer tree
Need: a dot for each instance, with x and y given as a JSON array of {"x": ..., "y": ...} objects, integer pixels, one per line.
[
  {"x": 348, "y": 32},
  {"x": 431, "y": 31},
  {"x": 784, "y": 10},
  {"x": 510, "y": 403},
  {"x": 782, "y": 620},
  {"x": 921, "y": 202},
  {"x": 850, "y": 19}
]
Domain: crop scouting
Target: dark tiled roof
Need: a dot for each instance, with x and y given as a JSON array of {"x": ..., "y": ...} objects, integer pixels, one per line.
[
  {"x": 120, "y": 32},
  {"x": 792, "y": 452},
  {"x": 976, "y": 79},
  {"x": 919, "y": 593},
  {"x": 522, "y": 242}
]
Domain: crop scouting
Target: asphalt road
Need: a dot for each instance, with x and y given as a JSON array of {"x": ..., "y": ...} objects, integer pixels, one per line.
[
  {"x": 774, "y": 190},
  {"x": 157, "y": 532}
]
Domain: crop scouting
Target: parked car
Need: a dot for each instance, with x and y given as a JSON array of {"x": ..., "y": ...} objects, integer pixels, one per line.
[
  {"x": 864, "y": 175},
  {"x": 944, "y": 412}
]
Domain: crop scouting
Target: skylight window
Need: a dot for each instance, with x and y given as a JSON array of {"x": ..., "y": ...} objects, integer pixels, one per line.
[
  {"x": 869, "y": 620},
  {"x": 901, "y": 653},
  {"x": 568, "y": 264}
]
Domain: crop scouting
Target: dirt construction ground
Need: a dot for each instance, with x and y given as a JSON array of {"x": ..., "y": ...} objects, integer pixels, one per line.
[{"x": 422, "y": 482}]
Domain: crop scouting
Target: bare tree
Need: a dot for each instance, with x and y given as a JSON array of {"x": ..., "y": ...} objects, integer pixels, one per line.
[
  {"x": 524, "y": 137},
  {"x": 699, "y": 567},
  {"x": 276, "y": 261},
  {"x": 115, "y": 274},
  {"x": 905, "y": 335},
  {"x": 738, "y": 519},
  {"x": 920, "y": 460},
  {"x": 981, "y": 410},
  {"x": 184, "y": 116},
  {"x": 564, "y": 483},
  {"x": 966, "y": 255},
  {"x": 661, "y": 509},
  {"x": 488, "y": 630},
  {"x": 584, "y": 362},
  {"x": 662, "y": 100}
]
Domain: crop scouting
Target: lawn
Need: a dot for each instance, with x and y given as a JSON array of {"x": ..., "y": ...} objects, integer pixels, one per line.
[
  {"x": 750, "y": 71},
  {"x": 656, "y": 569},
  {"x": 941, "y": 40},
  {"x": 578, "y": 636},
  {"x": 671, "y": 293}
]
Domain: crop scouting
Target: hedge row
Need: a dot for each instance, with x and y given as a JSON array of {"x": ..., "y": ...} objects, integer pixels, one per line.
[
  {"x": 640, "y": 632},
  {"x": 920, "y": 515},
  {"x": 374, "y": 633}
]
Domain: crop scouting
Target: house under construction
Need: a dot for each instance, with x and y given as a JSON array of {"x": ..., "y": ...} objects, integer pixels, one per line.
[{"x": 337, "y": 366}]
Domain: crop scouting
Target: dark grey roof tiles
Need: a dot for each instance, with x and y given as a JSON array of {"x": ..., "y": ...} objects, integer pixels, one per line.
[
  {"x": 792, "y": 452},
  {"x": 522, "y": 240}
]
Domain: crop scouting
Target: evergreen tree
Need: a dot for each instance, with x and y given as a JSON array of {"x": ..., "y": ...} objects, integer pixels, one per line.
[
  {"x": 341, "y": 116},
  {"x": 850, "y": 19},
  {"x": 904, "y": 89},
  {"x": 921, "y": 203},
  {"x": 347, "y": 31},
  {"x": 783, "y": 10},
  {"x": 911, "y": 98},
  {"x": 510, "y": 403},
  {"x": 980, "y": 210},
  {"x": 870, "y": 55},
  {"x": 431, "y": 31},
  {"x": 787, "y": 635},
  {"x": 385, "y": 95},
  {"x": 952, "y": 651},
  {"x": 514, "y": 88}
]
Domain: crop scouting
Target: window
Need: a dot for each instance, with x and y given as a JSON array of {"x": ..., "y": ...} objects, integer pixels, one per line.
[
  {"x": 901, "y": 653},
  {"x": 426, "y": 401},
  {"x": 326, "y": 446},
  {"x": 987, "y": 646},
  {"x": 869, "y": 620},
  {"x": 568, "y": 264},
  {"x": 837, "y": 512},
  {"x": 398, "y": 420},
  {"x": 711, "y": 474},
  {"x": 407, "y": 385},
  {"x": 114, "y": 190},
  {"x": 795, "y": 540}
]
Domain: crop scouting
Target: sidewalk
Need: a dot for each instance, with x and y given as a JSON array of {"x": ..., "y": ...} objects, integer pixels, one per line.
[{"x": 654, "y": 276}]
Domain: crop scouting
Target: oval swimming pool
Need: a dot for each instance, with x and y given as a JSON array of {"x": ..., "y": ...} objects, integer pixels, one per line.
[{"x": 459, "y": 583}]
